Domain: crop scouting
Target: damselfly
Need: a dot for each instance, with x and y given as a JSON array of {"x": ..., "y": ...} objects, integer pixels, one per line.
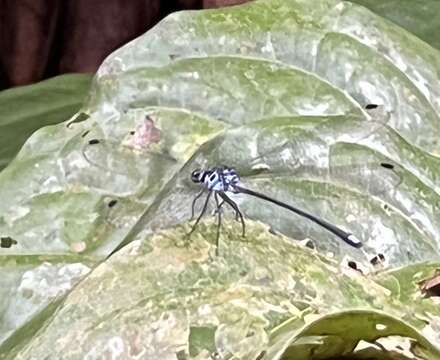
[
  {"x": 221, "y": 180},
  {"x": 340, "y": 157}
]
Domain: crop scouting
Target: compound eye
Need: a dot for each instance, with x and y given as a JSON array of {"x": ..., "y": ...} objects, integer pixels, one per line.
[{"x": 196, "y": 175}]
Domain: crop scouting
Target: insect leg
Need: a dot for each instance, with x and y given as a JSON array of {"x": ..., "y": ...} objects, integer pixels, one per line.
[
  {"x": 205, "y": 205},
  {"x": 218, "y": 208},
  {"x": 237, "y": 211},
  {"x": 219, "y": 224},
  {"x": 194, "y": 202}
]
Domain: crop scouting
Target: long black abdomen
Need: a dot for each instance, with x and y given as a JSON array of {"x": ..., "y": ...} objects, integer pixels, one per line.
[{"x": 350, "y": 239}]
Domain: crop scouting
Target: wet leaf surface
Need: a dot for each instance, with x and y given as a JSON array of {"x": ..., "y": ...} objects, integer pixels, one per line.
[{"x": 286, "y": 93}]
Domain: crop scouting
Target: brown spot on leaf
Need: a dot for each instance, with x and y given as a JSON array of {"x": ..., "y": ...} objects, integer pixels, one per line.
[{"x": 144, "y": 135}]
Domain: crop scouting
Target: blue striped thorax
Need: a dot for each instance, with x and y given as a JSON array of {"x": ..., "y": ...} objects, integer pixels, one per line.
[{"x": 217, "y": 179}]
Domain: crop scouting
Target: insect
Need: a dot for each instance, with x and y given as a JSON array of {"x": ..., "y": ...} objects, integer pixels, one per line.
[
  {"x": 221, "y": 180},
  {"x": 282, "y": 147}
]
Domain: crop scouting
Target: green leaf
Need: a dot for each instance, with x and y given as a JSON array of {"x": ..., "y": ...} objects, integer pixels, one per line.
[
  {"x": 261, "y": 295},
  {"x": 340, "y": 333},
  {"x": 279, "y": 91},
  {"x": 25, "y": 109},
  {"x": 421, "y": 17}
]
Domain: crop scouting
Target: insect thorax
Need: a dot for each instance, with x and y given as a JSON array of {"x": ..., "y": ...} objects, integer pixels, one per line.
[{"x": 221, "y": 179}]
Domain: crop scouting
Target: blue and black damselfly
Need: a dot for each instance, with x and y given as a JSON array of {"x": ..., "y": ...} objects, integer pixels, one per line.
[
  {"x": 221, "y": 180},
  {"x": 123, "y": 169}
]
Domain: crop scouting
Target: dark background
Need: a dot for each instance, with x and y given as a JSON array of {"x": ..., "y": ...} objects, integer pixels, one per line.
[{"x": 44, "y": 38}]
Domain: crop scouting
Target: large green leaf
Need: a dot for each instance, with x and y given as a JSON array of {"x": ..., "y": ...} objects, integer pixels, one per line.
[
  {"x": 162, "y": 296},
  {"x": 278, "y": 90},
  {"x": 421, "y": 17},
  {"x": 25, "y": 109}
]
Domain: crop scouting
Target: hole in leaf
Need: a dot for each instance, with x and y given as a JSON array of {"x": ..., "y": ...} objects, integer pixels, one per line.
[
  {"x": 310, "y": 244},
  {"x": 6, "y": 242},
  {"x": 93, "y": 142},
  {"x": 181, "y": 355},
  {"x": 387, "y": 165},
  {"x": 202, "y": 339},
  {"x": 371, "y": 106},
  {"x": 353, "y": 265},
  {"x": 80, "y": 118},
  {"x": 431, "y": 287},
  {"x": 377, "y": 259},
  {"x": 380, "y": 327}
]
